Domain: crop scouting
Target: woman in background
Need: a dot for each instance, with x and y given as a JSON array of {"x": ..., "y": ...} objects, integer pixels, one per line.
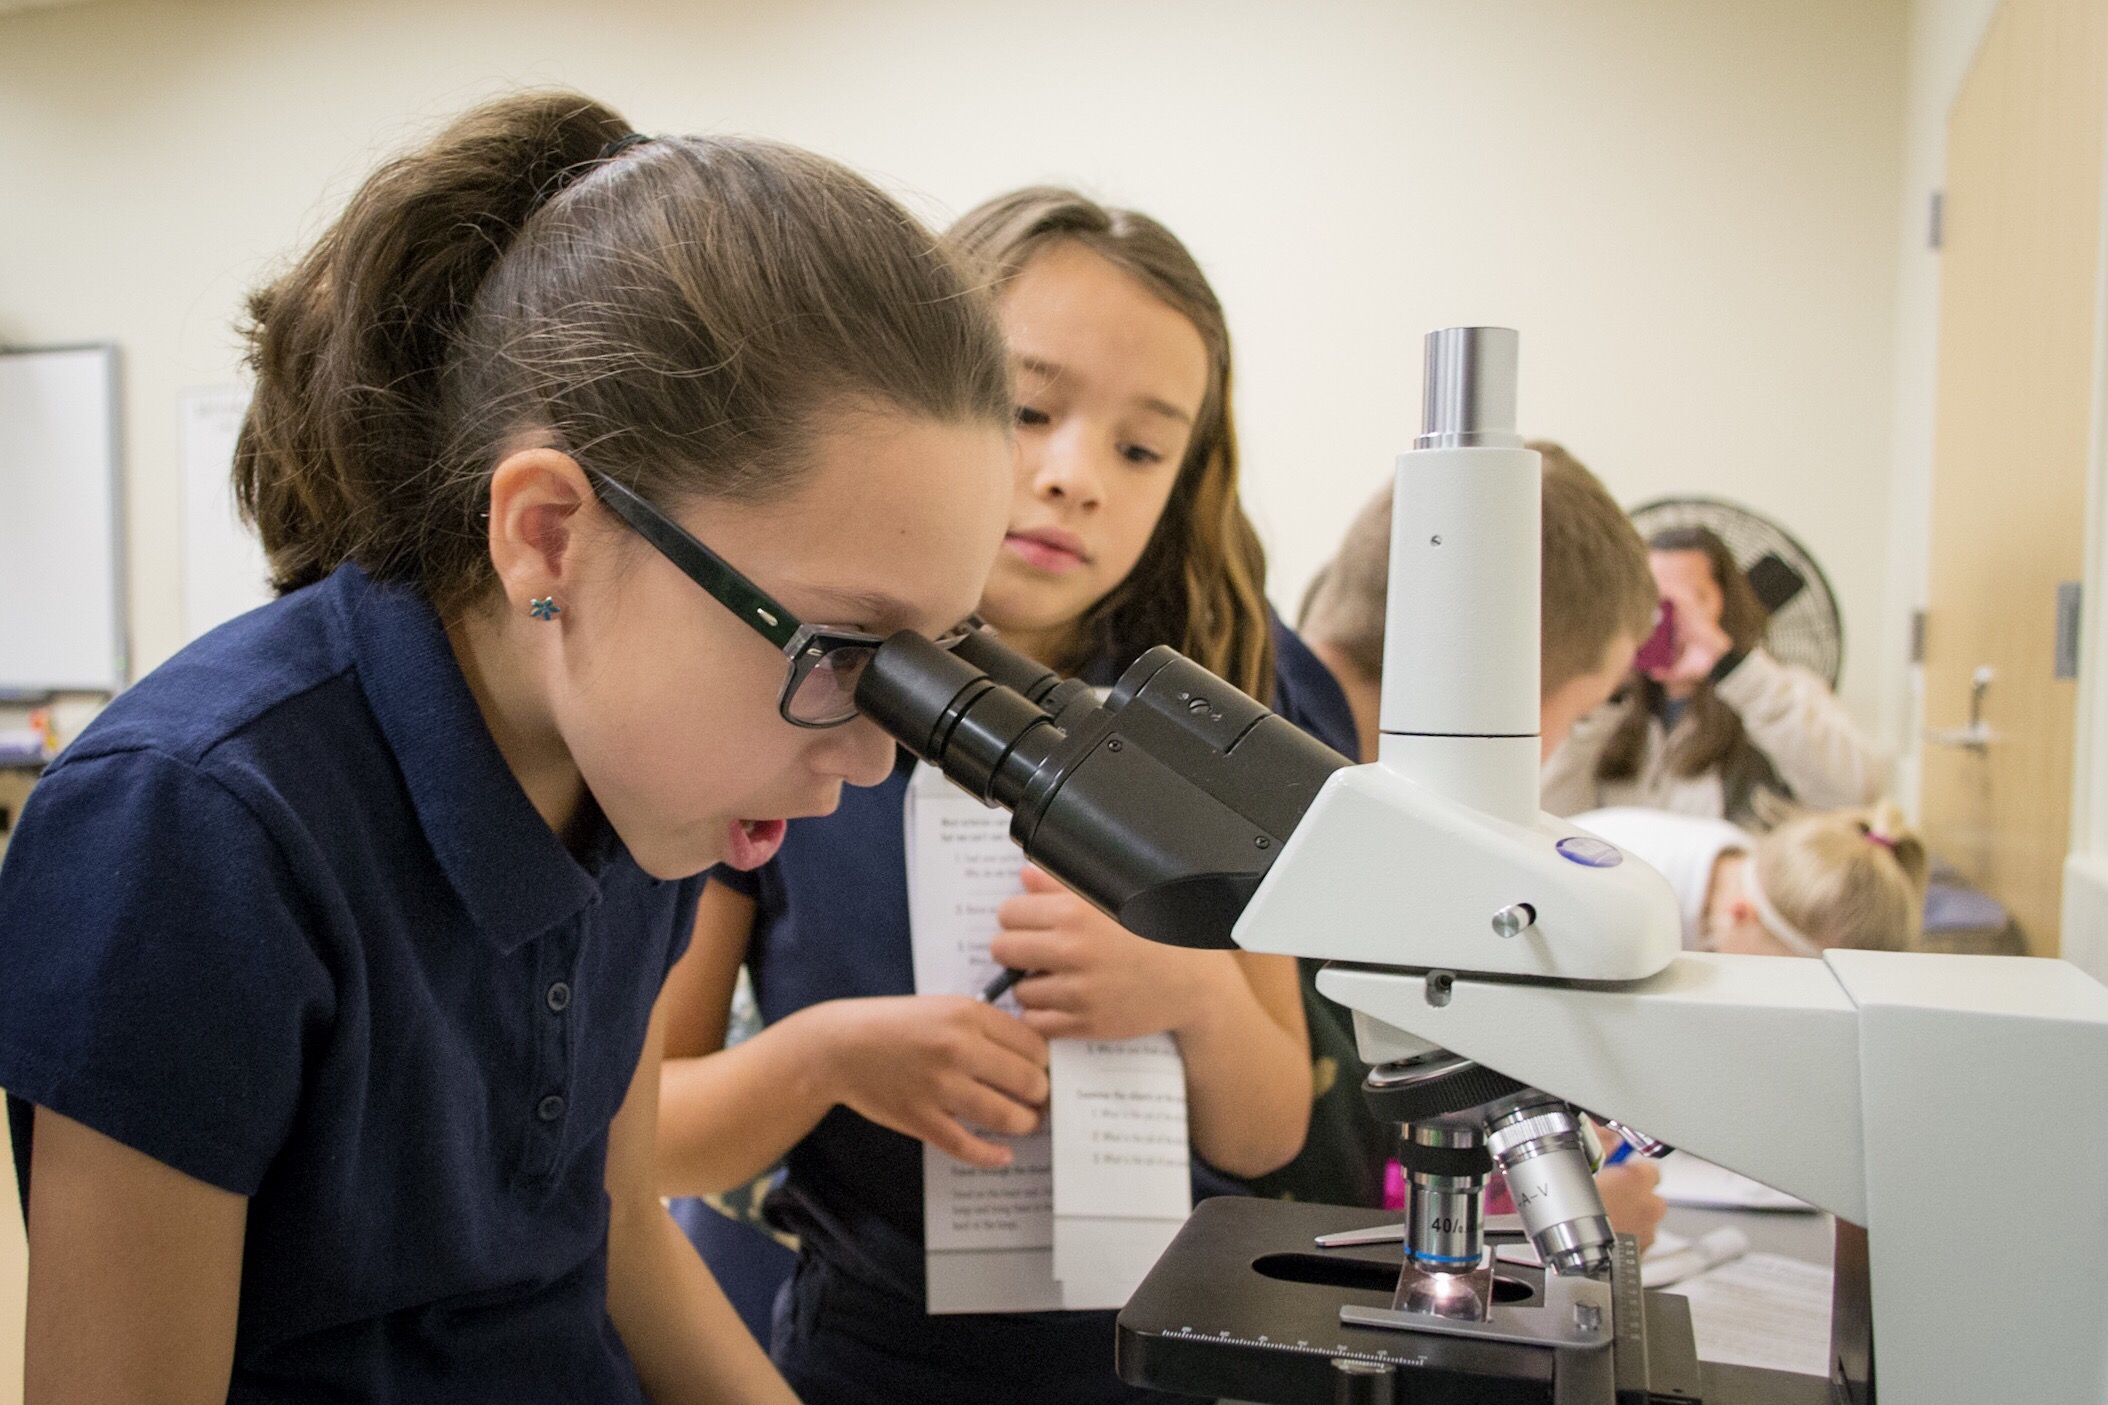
[{"x": 1722, "y": 722}]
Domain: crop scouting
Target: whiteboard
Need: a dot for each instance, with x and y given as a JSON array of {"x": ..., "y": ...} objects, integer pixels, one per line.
[
  {"x": 224, "y": 574},
  {"x": 62, "y": 625}
]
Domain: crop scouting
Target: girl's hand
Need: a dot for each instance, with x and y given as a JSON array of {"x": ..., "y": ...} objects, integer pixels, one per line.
[
  {"x": 934, "y": 1066},
  {"x": 1701, "y": 642},
  {"x": 1092, "y": 978}
]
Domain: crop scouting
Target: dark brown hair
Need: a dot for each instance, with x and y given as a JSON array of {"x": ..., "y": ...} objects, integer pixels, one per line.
[
  {"x": 1595, "y": 582},
  {"x": 1715, "y": 733},
  {"x": 683, "y": 315},
  {"x": 1200, "y": 584}
]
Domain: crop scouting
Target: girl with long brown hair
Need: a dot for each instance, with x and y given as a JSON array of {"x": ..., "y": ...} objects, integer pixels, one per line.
[
  {"x": 329, "y": 953},
  {"x": 1125, "y": 532}
]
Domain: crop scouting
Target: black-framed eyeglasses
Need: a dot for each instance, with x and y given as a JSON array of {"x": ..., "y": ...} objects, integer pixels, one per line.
[{"x": 826, "y": 662}]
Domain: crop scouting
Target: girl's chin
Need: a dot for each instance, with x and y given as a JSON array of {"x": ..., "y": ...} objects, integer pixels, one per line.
[{"x": 751, "y": 843}]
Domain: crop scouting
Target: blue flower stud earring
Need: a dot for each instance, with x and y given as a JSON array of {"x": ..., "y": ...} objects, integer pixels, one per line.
[{"x": 545, "y": 608}]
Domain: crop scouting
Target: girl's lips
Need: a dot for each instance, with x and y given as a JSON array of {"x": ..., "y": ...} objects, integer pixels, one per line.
[
  {"x": 1048, "y": 551},
  {"x": 751, "y": 843}
]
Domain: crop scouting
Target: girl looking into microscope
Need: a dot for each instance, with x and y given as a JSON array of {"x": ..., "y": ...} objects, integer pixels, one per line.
[
  {"x": 1125, "y": 532},
  {"x": 329, "y": 952}
]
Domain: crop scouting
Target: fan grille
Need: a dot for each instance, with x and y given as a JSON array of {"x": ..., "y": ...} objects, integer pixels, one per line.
[{"x": 1806, "y": 627}]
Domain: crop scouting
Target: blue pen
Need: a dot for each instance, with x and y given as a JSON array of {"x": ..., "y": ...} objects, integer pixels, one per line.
[{"x": 1624, "y": 1150}]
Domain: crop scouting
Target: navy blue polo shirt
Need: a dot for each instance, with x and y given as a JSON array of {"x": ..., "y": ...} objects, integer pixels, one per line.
[
  {"x": 831, "y": 922},
  {"x": 282, "y": 919}
]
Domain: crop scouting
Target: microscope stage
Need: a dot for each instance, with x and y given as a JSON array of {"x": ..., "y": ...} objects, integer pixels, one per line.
[{"x": 1244, "y": 1305}]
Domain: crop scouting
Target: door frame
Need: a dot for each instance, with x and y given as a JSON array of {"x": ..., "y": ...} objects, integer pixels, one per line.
[{"x": 2085, "y": 902}]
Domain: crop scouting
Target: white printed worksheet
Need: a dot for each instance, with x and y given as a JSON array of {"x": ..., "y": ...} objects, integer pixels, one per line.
[
  {"x": 1122, "y": 1180},
  {"x": 1094, "y": 1196}
]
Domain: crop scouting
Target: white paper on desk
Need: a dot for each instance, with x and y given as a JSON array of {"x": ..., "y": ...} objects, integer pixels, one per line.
[
  {"x": 1122, "y": 1173},
  {"x": 993, "y": 1240},
  {"x": 1762, "y": 1310},
  {"x": 1672, "y": 1258},
  {"x": 1689, "y": 1180}
]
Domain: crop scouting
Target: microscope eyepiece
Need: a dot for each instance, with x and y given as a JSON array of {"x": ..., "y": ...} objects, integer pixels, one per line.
[{"x": 1165, "y": 807}]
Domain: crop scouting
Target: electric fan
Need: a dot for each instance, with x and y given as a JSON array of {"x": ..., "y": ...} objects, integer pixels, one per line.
[{"x": 1805, "y": 626}]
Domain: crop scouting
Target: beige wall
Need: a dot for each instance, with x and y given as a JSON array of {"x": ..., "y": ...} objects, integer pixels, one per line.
[{"x": 1688, "y": 209}]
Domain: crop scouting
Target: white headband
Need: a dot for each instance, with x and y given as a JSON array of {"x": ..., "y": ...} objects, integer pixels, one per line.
[{"x": 1790, "y": 936}]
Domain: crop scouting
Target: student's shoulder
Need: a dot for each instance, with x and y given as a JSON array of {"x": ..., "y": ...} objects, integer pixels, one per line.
[
  {"x": 1306, "y": 693},
  {"x": 280, "y": 672}
]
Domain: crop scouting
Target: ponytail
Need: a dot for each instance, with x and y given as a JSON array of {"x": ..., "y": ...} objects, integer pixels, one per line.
[
  {"x": 1848, "y": 878},
  {"x": 348, "y": 347},
  {"x": 683, "y": 310}
]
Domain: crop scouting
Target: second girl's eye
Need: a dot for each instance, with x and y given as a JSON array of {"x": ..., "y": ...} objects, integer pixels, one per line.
[
  {"x": 1140, "y": 454},
  {"x": 1031, "y": 418}
]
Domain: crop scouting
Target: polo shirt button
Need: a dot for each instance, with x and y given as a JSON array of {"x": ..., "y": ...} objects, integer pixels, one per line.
[
  {"x": 559, "y": 997},
  {"x": 550, "y": 1108}
]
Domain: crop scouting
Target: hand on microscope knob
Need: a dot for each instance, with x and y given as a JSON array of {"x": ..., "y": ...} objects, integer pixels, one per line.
[
  {"x": 1092, "y": 978},
  {"x": 939, "y": 1068},
  {"x": 1629, "y": 1198}
]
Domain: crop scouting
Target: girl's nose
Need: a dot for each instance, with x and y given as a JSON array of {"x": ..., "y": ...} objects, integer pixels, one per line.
[
  {"x": 859, "y": 752},
  {"x": 1068, "y": 471}
]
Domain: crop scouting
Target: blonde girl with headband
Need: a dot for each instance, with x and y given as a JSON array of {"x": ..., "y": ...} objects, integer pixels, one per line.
[
  {"x": 588, "y": 469},
  {"x": 1835, "y": 878}
]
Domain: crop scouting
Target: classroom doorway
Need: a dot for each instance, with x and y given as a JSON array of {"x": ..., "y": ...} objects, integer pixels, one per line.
[{"x": 2020, "y": 267}]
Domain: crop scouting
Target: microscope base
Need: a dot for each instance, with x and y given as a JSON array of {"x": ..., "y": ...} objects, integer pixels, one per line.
[{"x": 1243, "y": 1305}]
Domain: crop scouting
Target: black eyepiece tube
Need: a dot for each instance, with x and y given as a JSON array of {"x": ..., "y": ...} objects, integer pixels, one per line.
[
  {"x": 916, "y": 690},
  {"x": 1165, "y": 807},
  {"x": 949, "y": 713},
  {"x": 1007, "y": 666}
]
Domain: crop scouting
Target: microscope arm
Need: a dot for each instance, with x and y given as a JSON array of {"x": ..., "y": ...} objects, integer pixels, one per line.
[
  {"x": 1852, "y": 1082},
  {"x": 1772, "y": 1042}
]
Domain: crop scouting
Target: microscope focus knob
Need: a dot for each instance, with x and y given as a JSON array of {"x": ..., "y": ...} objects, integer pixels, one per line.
[{"x": 1513, "y": 920}]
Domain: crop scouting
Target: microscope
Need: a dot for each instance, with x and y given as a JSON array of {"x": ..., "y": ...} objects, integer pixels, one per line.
[{"x": 1506, "y": 971}]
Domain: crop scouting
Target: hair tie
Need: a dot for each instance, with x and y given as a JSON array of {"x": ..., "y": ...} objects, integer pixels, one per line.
[{"x": 621, "y": 144}]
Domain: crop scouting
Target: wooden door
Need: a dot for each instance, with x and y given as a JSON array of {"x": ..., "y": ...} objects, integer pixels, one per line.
[{"x": 2020, "y": 261}]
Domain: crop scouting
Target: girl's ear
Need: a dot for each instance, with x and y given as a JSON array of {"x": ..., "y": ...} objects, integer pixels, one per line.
[{"x": 535, "y": 497}]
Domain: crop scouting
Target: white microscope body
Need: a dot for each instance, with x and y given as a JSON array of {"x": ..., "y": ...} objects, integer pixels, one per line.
[{"x": 1954, "y": 1108}]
